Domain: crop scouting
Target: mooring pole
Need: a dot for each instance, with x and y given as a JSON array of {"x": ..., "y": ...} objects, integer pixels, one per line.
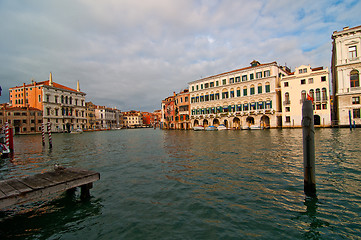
[
  {"x": 349, "y": 119},
  {"x": 43, "y": 133},
  {"x": 49, "y": 133},
  {"x": 308, "y": 131}
]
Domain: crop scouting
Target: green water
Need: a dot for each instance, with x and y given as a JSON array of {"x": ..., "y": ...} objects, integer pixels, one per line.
[{"x": 192, "y": 185}]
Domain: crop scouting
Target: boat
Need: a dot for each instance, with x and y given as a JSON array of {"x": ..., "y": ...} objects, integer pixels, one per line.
[
  {"x": 222, "y": 127},
  {"x": 198, "y": 128},
  {"x": 255, "y": 127},
  {"x": 78, "y": 130},
  {"x": 4, "y": 151},
  {"x": 211, "y": 128}
]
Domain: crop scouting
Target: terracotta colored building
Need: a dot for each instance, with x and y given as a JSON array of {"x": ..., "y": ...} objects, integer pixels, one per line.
[
  {"x": 182, "y": 107},
  {"x": 24, "y": 120},
  {"x": 168, "y": 113}
]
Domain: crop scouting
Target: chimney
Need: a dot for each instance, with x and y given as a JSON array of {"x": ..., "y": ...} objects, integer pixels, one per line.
[
  {"x": 77, "y": 86},
  {"x": 346, "y": 28},
  {"x": 50, "y": 80}
]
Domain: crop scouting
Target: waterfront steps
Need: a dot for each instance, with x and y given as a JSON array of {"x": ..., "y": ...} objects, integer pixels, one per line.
[{"x": 33, "y": 188}]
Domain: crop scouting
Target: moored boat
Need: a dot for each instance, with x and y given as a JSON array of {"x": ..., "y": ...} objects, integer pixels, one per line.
[
  {"x": 77, "y": 131},
  {"x": 211, "y": 128},
  {"x": 255, "y": 127},
  {"x": 4, "y": 151},
  {"x": 222, "y": 127},
  {"x": 198, "y": 128}
]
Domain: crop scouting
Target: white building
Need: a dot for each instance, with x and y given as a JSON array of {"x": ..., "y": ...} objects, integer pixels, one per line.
[
  {"x": 295, "y": 87},
  {"x": 346, "y": 67},
  {"x": 239, "y": 98}
]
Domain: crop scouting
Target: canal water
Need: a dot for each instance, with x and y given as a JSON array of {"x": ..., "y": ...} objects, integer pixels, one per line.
[{"x": 191, "y": 185}]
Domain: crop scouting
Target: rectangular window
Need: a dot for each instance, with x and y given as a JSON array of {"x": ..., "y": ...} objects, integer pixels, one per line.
[
  {"x": 244, "y": 78},
  {"x": 231, "y": 80},
  {"x": 39, "y": 97},
  {"x": 211, "y": 84},
  {"x": 323, "y": 79},
  {"x": 217, "y": 84},
  {"x": 318, "y": 107},
  {"x": 259, "y": 89},
  {"x": 238, "y": 93},
  {"x": 201, "y": 86},
  {"x": 251, "y": 90},
  {"x": 268, "y": 88},
  {"x": 310, "y": 80},
  {"x": 355, "y": 100},
  {"x": 197, "y": 87},
  {"x": 285, "y": 84},
  {"x": 206, "y": 85},
  {"x": 303, "y": 81},
  {"x": 267, "y": 73},
  {"x": 356, "y": 113},
  {"x": 352, "y": 52},
  {"x": 324, "y": 106},
  {"x": 238, "y": 79},
  {"x": 244, "y": 91},
  {"x": 287, "y": 109},
  {"x": 258, "y": 74},
  {"x": 224, "y": 81},
  {"x": 288, "y": 119},
  {"x": 192, "y": 88},
  {"x": 251, "y": 76}
]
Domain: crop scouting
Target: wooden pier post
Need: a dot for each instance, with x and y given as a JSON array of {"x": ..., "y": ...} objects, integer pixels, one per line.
[
  {"x": 43, "y": 133},
  {"x": 308, "y": 131},
  {"x": 49, "y": 134}
]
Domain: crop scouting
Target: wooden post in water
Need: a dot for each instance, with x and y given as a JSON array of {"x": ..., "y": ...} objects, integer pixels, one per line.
[
  {"x": 308, "y": 131},
  {"x": 49, "y": 134},
  {"x": 43, "y": 133}
]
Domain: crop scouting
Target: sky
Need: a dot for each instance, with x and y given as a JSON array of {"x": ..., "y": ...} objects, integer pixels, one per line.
[{"x": 133, "y": 54}]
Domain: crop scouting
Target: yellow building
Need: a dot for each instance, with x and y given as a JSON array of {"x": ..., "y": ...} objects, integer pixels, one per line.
[{"x": 306, "y": 81}]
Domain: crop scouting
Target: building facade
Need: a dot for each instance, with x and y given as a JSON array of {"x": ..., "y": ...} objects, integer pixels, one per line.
[
  {"x": 24, "y": 120},
  {"x": 296, "y": 87},
  {"x": 346, "y": 67},
  {"x": 239, "y": 98},
  {"x": 168, "y": 113},
  {"x": 90, "y": 116},
  {"x": 132, "y": 119},
  {"x": 182, "y": 108},
  {"x": 62, "y": 106}
]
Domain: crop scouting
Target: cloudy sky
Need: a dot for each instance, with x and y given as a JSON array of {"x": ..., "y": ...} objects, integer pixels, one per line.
[{"x": 132, "y": 54}]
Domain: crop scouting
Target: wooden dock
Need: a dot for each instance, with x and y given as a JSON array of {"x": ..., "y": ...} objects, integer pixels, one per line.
[{"x": 36, "y": 187}]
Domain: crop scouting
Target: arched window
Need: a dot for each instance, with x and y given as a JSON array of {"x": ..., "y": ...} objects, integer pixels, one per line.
[
  {"x": 324, "y": 94},
  {"x": 303, "y": 95},
  {"x": 231, "y": 93},
  {"x": 287, "y": 98},
  {"x": 238, "y": 92},
  {"x": 312, "y": 93},
  {"x": 259, "y": 88},
  {"x": 224, "y": 93},
  {"x": 244, "y": 91},
  {"x": 318, "y": 94},
  {"x": 251, "y": 90},
  {"x": 267, "y": 87},
  {"x": 354, "y": 78}
]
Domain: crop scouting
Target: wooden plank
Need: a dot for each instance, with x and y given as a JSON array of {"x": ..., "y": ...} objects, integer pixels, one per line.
[
  {"x": 7, "y": 189},
  {"x": 35, "y": 182},
  {"x": 18, "y": 185},
  {"x": 16, "y": 191}
]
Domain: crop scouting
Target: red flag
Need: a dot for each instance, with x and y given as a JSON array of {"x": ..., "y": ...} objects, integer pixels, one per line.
[{"x": 309, "y": 98}]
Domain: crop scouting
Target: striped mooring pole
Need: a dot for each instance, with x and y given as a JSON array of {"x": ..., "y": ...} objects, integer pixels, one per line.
[
  {"x": 43, "y": 133},
  {"x": 7, "y": 135},
  {"x": 49, "y": 133}
]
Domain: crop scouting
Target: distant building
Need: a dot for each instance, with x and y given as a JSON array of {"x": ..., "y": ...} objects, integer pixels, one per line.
[
  {"x": 90, "y": 115},
  {"x": 168, "y": 113},
  {"x": 157, "y": 117},
  {"x": 132, "y": 119},
  {"x": 182, "y": 109},
  {"x": 24, "y": 120},
  {"x": 239, "y": 98},
  {"x": 62, "y": 106},
  {"x": 148, "y": 118},
  {"x": 346, "y": 67},
  {"x": 297, "y": 86}
]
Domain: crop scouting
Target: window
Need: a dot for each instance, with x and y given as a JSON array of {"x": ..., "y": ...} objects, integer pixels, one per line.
[
  {"x": 352, "y": 53},
  {"x": 285, "y": 84},
  {"x": 312, "y": 93},
  {"x": 251, "y": 76},
  {"x": 211, "y": 84},
  {"x": 217, "y": 83},
  {"x": 318, "y": 94},
  {"x": 259, "y": 88},
  {"x": 197, "y": 87},
  {"x": 267, "y": 73},
  {"x": 324, "y": 106},
  {"x": 324, "y": 94},
  {"x": 224, "y": 81},
  {"x": 299, "y": 70},
  {"x": 323, "y": 79},
  {"x": 268, "y": 87},
  {"x": 287, "y": 109},
  {"x": 244, "y": 78},
  {"x": 206, "y": 85},
  {"x": 238, "y": 92},
  {"x": 258, "y": 74},
  {"x": 231, "y": 93},
  {"x": 287, "y": 98},
  {"x": 201, "y": 86},
  {"x": 356, "y": 113},
  {"x": 56, "y": 99},
  {"x": 224, "y": 94},
  {"x": 244, "y": 91},
  {"x": 354, "y": 78},
  {"x": 231, "y": 80},
  {"x": 303, "y": 95},
  {"x": 288, "y": 119},
  {"x": 303, "y": 81},
  {"x": 238, "y": 79},
  {"x": 252, "y": 90},
  {"x": 192, "y": 88},
  {"x": 305, "y": 70},
  {"x": 318, "y": 106},
  {"x": 39, "y": 98},
  {"x": 310, "y": 80},
  {"x": 355, "y": 100}
]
